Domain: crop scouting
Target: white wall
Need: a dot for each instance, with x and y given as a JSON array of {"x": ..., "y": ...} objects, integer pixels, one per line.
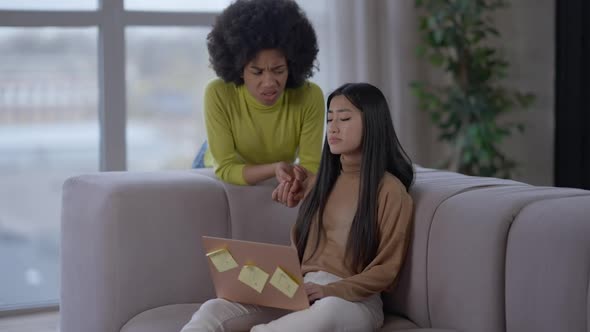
[
  {"x": 528, "y": 30},
  {"x": 399, "y": 38}
]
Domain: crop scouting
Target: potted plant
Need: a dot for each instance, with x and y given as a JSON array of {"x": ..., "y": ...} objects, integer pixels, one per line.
[{"x": 468, "y": 109}]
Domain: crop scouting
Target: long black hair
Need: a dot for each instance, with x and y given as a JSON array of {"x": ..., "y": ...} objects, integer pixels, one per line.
[{"x": 381, "y": 152}]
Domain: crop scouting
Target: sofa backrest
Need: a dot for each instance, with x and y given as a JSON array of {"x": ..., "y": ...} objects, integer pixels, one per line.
[{"x": 253, "y": 214}]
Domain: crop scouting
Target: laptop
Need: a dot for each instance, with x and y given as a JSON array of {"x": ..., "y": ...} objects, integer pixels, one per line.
[{"x": 256, "y": 273}]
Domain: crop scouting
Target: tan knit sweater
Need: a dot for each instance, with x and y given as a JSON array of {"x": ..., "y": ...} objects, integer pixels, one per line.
[{"x": 394, "y": 215}]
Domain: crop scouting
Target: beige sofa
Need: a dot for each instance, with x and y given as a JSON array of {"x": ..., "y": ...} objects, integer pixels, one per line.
[{"x": 487, "y": 254}]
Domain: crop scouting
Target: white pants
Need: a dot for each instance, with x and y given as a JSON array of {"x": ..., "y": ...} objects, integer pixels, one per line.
[{"x": 327, "y": 314}]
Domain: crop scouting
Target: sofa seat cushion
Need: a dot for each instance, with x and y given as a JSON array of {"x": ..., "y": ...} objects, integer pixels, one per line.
[
  {"x": 421, "y": 330},
  {"x": 171, "y": 318},
  {"x": 395, "y": 323}
]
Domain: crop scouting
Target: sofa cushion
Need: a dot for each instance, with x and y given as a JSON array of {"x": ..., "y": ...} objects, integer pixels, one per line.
[
  {"x": 169, "y": 318},
  {"x": 254, "y": 216},
  {"x": 172, "y": 318},
  {"x": 395, "y": 323},
  {"x": 547, "y": 270},
  {"x": 422, "y": 330}
]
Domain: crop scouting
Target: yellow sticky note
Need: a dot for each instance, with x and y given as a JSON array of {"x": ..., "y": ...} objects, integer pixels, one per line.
[
  {"x": 254, "y": 277},
  {"x": 283, "y": 282},
  {"x": 222, "y": 260}
]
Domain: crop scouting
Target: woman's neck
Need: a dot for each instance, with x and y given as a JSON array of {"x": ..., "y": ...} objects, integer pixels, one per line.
[{"x": 351, "y": 163}]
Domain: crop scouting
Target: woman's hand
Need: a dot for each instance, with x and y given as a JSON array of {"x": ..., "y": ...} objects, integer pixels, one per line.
[
  {"x": 300, "y": 185},
  {"x": 283, "y": 195},
  {"x": 301, "y": 175},
  {"x": 284, "y": 172},
  {"x": 290, "y": 193},
  {"x": 314, "y": 291}
]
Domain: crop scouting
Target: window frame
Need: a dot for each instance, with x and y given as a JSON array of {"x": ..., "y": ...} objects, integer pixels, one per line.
[{"x": 111, "y": 19}]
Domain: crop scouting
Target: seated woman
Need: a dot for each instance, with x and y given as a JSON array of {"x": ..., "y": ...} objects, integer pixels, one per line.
[{"x": 262, "y": 114}]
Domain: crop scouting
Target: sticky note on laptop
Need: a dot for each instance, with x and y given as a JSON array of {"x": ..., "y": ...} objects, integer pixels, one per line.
[
  {"x": 253, "y": 276},
  {"x": 222, "y": 260},
  {"x": 284, "y": 282}
]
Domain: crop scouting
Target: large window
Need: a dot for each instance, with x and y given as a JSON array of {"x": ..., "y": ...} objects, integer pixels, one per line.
[
  {"x": 81, "y": 81},
  {"x": 93, "y": 85}
]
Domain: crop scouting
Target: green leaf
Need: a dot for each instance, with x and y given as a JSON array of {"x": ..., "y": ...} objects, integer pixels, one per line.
[
  {"x": 416, "y": 85},
  {"x": 464, "y": 5},
  {"x": 446, "y": 137},
  {"x": 435, "y": 117},
  {"x": 485, "y": 155},
  {"x": 466, "y": 157},
  {"x": 423, "y": 23},
  {"x": 436, "y": 59},
  {"x": 525, "y": 100},
  {"x": 431, "y": 23},
  {"x": 421, "y": 50},
  {"x": 438, "y": 36},
  {"x": 493, "y": 31}
]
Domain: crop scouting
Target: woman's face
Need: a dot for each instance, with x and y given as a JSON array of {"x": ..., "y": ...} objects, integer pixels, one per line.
[
  {"x": 345, "y": 127},
  {"x": 266, "y": 76}
]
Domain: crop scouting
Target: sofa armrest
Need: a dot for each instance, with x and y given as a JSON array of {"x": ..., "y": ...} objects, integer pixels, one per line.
[
  {"x": 548, "y": 266},
  {"x": 131, "y": 242}
]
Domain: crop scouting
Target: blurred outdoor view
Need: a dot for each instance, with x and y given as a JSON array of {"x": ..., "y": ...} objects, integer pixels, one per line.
[
  {"x": 167, "y": 71},
  {"x": 49, "y": 131}
]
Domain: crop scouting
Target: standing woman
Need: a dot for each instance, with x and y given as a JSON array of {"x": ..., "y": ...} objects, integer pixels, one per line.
[{"x": 261, "y": 113}]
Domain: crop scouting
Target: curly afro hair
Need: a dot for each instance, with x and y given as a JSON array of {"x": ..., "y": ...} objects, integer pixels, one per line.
[{"x": 248, "y": 26}]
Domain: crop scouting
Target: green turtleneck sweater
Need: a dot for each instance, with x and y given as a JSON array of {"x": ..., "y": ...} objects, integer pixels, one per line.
[{"x": 241, "y": 131}]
